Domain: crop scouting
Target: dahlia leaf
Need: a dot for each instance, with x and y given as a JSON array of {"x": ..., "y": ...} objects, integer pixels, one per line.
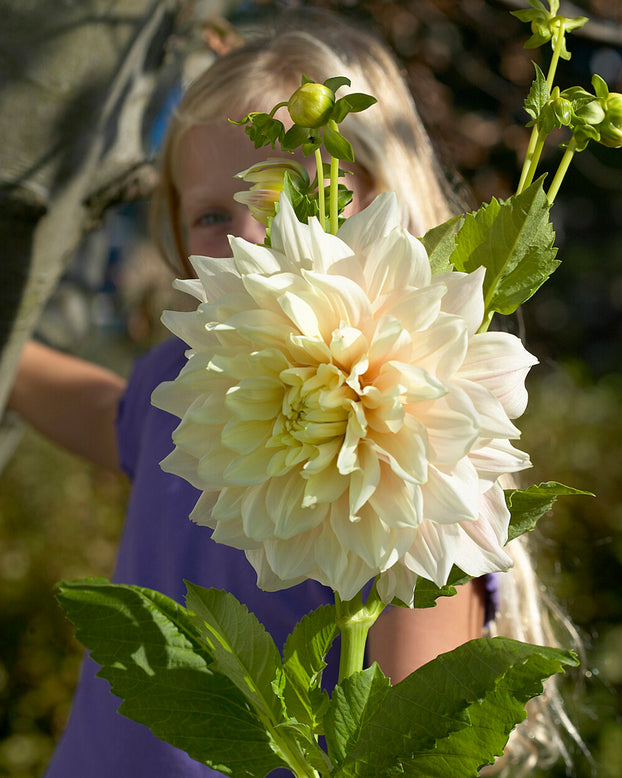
[
  {"x": 454, "y": 714},
  {"x": 440, "y": 242},
  {"x": 538, "y": 95},
  {"x": 513, "y": 240},
  {"x": 353, "y": 703},
  {"x": 427, "y": 593},
  {"x": 242, "y": 648},
  {"x": 153, "y": 656},
  {"x": 527, "y": 506},
  {"x": 304, "y": 661}
]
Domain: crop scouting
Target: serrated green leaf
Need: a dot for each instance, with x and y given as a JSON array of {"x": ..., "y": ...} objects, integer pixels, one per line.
[
  {"x": 241, "y": 647},
  {"x": 539, "y": 93},
  {"x": 513, "y": 240},
  {"x": 353, "y": 703},
  {"x": 527, "y": 506},
  {"x": 336, "y": 145},
  {"x": 154, "y": 658},
  {"x": 427, "y": 593},
  {"x": 440, "y": 242},
  {"x": 304, "y": 661},
  {"x": 454, "y": 714}
]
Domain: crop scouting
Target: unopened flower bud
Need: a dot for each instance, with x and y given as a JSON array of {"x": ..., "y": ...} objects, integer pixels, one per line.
[
  {"x": 268, "y": 178},
  {"x": 311, "y": 105},
  {"x": 611, "y": 127}
]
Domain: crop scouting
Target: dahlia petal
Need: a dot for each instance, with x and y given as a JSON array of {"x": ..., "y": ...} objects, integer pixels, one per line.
[
  {"x": 453, "y": 496},
  {"x": 441, "y": 348},
  {"x": 291, "y": 238},
  {"x": 191, "y": 286},
  {"x": 434, "y": 550},
  {"x": 464, "y": 296},
  {"x": 184, "y": 465},
  {"x": 254, "y": 399},
  {"x": 406, "y": 452},
  {"x": 256, "y": 517},
  {"x": 399, "y": 504},
  {"x": 218, "y": 276},
  {"x": 294, "y": 557},
  {"x": 364, "y": 228},
  {"x": 285, "y": 497},
  {"x": 324, "y": 487},
  {"x": 398, "y": 261},
  {"x": 245, "y": 436},
  {"x": 267, "y": 579},
  {"x": 348, "y": 301},
  {"x": 170, "y": 396},
  {"x": 497, "y": 457},
  {"x": 253, "y": 258},
  {"x": 415, "y": 309},
  {"x": 301, "y": 314},
  {"x": 365, "y": 479},
  {"x": 187, "y": 326},
  {"x": 327, "y": 249},
  {"x": 500, "y": 362},
  {"x": 398, "y": 581},
  {"x": 452, "y": 425},
  {"x": 493, "y": 420}
]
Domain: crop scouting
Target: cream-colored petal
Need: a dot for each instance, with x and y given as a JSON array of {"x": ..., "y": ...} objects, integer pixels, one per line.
[
  {"x": 366, "y": 227},
  {"x": 245, "y": 436},
  {"x": 452, "y": 425},
  {"x": 397, "y": 261},
  {"x": 415, "y": 309},
  {"x": 453, "y": 495},
  {"x": 434, "y": 550},
  {"x": 285, "y": 498},
  {"x": 500, "y": 362},
  {"x": 406, "y": 452},
  {"x": 464, "y": 296},
  {"x": 258, "y": 398}
]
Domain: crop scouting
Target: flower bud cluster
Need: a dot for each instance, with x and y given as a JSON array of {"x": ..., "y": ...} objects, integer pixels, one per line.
[
  {"x": 548, "y": 25},
  {"x": 596, "y": 117}
]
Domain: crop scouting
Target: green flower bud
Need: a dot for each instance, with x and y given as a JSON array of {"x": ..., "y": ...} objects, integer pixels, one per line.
[
  {"x": 611, "y": 127},
  {"x": 311, "y": 105}
]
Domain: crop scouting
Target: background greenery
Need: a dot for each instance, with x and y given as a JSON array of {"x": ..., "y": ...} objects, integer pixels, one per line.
[{"x": 61, "y": 518}]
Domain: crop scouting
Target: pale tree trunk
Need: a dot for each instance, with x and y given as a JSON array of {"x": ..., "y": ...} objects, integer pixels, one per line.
[{"x": 77, "y": 79}]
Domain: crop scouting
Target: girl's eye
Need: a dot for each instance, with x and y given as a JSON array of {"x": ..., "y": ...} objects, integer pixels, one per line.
[{"x": 210, "y": 218}]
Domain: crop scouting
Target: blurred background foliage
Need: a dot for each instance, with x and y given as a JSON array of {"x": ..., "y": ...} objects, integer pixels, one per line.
[{"x": 465, "y": 62}]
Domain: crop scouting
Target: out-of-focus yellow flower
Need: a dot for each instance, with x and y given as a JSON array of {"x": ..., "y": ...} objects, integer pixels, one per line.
[
  {"x": 340, "y": 401},
  {"x": 268, "y": 179}
]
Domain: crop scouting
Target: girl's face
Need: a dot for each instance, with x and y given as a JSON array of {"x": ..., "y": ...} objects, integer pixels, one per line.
[{"x": 208, "y": 157}]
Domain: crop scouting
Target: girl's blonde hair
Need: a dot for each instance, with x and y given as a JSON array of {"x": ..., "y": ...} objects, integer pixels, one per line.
[
  {"x": 391, "y": 145},
  {"x": 389, "y": 141}
]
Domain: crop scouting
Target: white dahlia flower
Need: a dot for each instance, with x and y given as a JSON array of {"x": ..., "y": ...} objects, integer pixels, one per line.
[{"x": 339, "y": 411}]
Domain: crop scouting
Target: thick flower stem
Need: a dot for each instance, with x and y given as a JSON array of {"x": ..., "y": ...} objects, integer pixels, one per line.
[
  {"x": 334, "y": 195},
  {"x": 354, "y": 619},
  {"x": 321, "y": 199}
]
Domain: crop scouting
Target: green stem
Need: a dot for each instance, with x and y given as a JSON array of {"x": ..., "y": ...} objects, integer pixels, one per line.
[
  {"x": 561, "y": 171},
  {"x": 354, "y": 619},
  {"x": 334, "y": 195},
  {"x": 276, "y": 108},
  {"x": 531, "y": 159},
  {"x": 321, "y": 199},
  {"x": 529, "y": 156},
  {"x": 556, "y": 52},
  {"x": 536, "y": 141}
]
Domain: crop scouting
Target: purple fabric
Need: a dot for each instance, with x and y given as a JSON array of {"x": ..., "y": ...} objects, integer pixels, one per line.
[{"x": 161, "y": 547}]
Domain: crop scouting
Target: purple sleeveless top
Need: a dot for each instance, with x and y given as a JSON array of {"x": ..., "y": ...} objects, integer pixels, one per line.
[{"x": 161, "y": 547}]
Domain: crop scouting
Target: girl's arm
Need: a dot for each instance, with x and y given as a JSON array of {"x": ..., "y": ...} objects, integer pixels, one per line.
[
  {"x": 402, "y": 640},
  {"x": 70, "y": 401}
]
